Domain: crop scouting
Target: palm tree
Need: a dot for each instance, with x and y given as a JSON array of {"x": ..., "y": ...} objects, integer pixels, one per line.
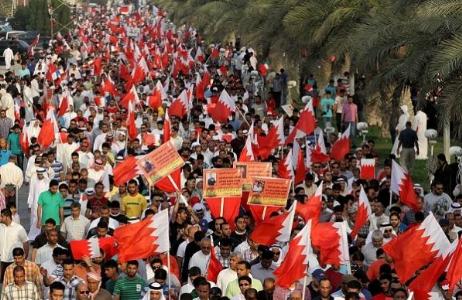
[{"x": 396, "y": 43}]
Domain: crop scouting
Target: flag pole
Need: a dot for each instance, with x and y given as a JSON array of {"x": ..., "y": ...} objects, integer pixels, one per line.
[
  {"x": 304, "y": 284},
  {"x": 222, "y": 206},
  {"x": 263, "y": 215},
  {"x": 391, "y": 197},
  {"x": 243, "y": 117},
  {"x": 169, "y": 272}
]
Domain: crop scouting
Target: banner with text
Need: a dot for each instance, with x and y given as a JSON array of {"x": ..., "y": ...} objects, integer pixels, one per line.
[
  {"x": 222, "y": 183},
  {"x": 269, "y": 191},
  {"x": 160, "y": 163},
  {"x": 248, "y": 170}
]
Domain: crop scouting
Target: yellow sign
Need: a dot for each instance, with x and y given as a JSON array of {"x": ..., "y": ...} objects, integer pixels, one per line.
[
  {"x": 222, "y": 183},
  {"x": 160, "y": 162},
  {"x": 269, "y": 191},
  {"x": 249, "y": 170}
]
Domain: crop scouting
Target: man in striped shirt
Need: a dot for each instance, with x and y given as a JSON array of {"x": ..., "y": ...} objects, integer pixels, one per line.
[
  {"x": 131, "y": 287},
  {"x": 20, "y": 289},
  {"x": 69, "y": 280},
  {"x": 32, "y": 271},
  {"x": 56, "y": 165}
]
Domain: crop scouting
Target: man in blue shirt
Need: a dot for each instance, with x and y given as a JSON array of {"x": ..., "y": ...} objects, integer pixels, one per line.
[{"x": 4, "y": 152}]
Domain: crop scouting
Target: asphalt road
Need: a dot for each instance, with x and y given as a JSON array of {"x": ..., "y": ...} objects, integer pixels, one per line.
[{"x": 22, "y": 206}]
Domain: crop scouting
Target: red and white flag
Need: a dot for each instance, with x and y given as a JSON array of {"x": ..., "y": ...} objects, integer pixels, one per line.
[
  {"x": 108, "y": 86},
  {"x": 341, "y": 147},
  {"x": 275, "y": 229},
  {"x": 24, "y": 141},
  {"x": 200, "y": 57},
  {"x": 299, "y": 163},
  {"x": 311, "y": 209},
  {"x": 247, "y": 152},
  {"x": 131, "y": 125},
  {"x": 48, "y": 131},
  {"x": 285, "y": 166},
  {"x": 143, "y": 239},
  {"x": 170, "y": 183},
  {"x": 326, "y": 237},
  {"x": 363, "y": 214},
  {"x": 402, "y": 185},
  {"x": 97, "y": 66},
  {"x": 138, "y": 73},
  {"x": 180, "y": 106},
  {"x": 426, "y": 280},
  {"x": 214, "y": 266},
  {"x": 427, "y": 237},
  {"x": 201, "y": 84},
  {"x": 454, "y": 271},
  {"x": 131, "y": 96},
  {"x": 158, "y": 95},
  {"x": 124, "y": 9},
  {"x": 305, "y": 125},
  {"x": 85, "y": 248},
  {"x": 367, "y": 169},
  {"x": 319, "y": 153},
  {"x": 166, "y": 128},
  {"x": 221, "y": 111},
  {"x": 125, "y": 170},
  {"x": 63, "y": 106},
  {"x": 295, "y": 264},
  {"x": 272, "y": 140}
]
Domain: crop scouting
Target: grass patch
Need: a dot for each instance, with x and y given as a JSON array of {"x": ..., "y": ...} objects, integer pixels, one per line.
[{"x": 383, "y": 147}]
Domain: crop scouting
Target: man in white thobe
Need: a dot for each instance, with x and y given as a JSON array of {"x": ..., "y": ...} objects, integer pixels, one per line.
[
  {"x": 39, "y": 183},
  {"x": 86, "y": 157},
  {"x": 201, "y": 258},
  {"x": 64, "y": 152},
  {"x": 420, "y": 126},
  {"x": 403, "y": 118},
  {"x": 10, "y": 173},
  {"x": 9, "y": 55},
  {"x": 7, "y": 103},
  {"x": 97, "y": 173}
]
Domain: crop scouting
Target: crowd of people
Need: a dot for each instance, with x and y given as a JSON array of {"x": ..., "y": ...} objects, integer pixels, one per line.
[{"x": 108, "y": 91}]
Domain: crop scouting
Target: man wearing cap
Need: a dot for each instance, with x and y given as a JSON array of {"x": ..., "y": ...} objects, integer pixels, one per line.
[
  {"x": 39, "y": 184},
  {"x": 94, "y": 286}
]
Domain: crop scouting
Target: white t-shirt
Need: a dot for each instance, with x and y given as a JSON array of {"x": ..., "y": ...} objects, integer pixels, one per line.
[
  {"x": 11, "y": 236},
  {"x": 199, "y": 260}
]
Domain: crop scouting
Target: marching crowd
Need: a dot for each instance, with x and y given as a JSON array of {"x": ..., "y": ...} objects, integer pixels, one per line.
[{"x": 75, "y": 114}]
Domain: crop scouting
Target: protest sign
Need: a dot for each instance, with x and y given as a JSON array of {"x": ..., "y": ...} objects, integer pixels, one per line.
[
  {"x": 160, "y": 163},
  {"x": 250, "y": 169},
  {"x": 269, "y": 191},
  {"x": 222, "y": 183}
]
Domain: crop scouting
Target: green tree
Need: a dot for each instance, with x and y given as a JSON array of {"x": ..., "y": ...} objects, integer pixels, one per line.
[
  {"x": 36, "y": 17},
  {"x": 395, "y": 43}
]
